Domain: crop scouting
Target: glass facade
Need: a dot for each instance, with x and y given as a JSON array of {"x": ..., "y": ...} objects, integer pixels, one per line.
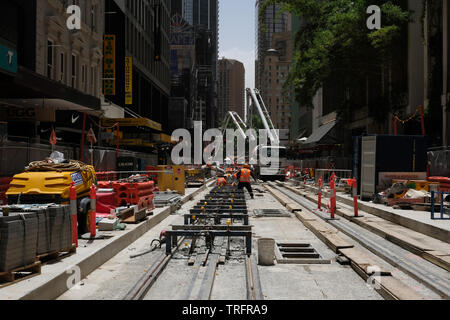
[
  {"x": 273, "y": 21},
  {"x": 188, "y": 11}
]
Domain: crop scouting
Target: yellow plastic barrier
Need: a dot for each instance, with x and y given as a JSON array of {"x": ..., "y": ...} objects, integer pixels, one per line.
[{"x": 173, "y": 179}]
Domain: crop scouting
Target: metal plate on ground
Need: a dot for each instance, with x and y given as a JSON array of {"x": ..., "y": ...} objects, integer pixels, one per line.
[
  {"x": 297, "y": 252},
  {"x": 163, "y": 199},
  {"x": 271, "y": 213}
]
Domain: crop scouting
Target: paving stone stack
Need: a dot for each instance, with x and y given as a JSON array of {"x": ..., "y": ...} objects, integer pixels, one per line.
[
  {"x": 166, "y": 198},
  {"x": 30, "y": 231},
  {"x": 60, "y": 225},
  {"x": 18, "y": 241},
  {"x": 43, "y": 240}
]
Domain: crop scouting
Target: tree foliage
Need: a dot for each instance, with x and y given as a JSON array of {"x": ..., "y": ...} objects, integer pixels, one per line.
[{"x": 333, "y": 42}]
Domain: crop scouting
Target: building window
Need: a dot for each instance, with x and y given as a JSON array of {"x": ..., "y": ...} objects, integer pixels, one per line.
[
  {"x": 62, "y": 67},
  {"x": 84, "y": 77},
  {"x": 93, "y": 18},
  {"x": 74, "y": 71},
  {"x": 93, "y": 81},
  {"x": 50, "y": 47}
]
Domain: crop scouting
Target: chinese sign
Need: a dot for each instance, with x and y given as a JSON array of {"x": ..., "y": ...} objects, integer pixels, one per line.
[
  {"x": 109, "y": 69},
  {"x": 128, "y": 80}
]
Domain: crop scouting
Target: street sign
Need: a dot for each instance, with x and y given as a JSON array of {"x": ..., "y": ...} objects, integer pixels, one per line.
[
  {"x": 109, "y": 65},
  {"x": 91, "y": 136},
  {"x": 128, "y": 80}
]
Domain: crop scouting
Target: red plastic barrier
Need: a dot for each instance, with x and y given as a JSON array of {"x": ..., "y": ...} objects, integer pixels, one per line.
[
  {"x": 106, "y": 176},
  {"x": 152, "y": 175},
  {"x": 105, "y": 203},
  {"x": 129, "y": 193},
  {"x": 445, "y": 180},
  {"x": 4, "y": 186},
  {"x": 140, "y": 190}
]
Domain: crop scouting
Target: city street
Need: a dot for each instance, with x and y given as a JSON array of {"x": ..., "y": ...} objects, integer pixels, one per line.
[{"x": 221, "y": 159}]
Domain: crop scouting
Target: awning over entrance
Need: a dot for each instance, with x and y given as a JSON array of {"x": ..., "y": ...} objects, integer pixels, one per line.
[
  {"x": 29, "y": 89},
  {"x": 320, "y": 133},
  {"x": 133, "y": 122}
]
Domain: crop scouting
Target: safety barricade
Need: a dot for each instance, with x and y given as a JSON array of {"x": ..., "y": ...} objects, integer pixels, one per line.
[
  {"x": 4, "y": 186},
  {"x": 106, "y": 176},
  {"x": 135, "y": 193}
]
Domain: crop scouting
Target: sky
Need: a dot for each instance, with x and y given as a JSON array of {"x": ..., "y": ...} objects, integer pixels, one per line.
[{"x": 237, "y": 34}]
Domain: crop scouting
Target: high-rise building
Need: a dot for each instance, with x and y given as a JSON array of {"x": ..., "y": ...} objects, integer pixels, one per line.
[
  {"x": 203, "y": 16},
  {"x": 141, "y": 31},
  {"x": 183, "y": 70},
  {"x": 273, "y": 21},
  {"x": 231, "y": 87},
  {"x": 274, "y": 58},
  {"x": 277, "y": 62}
]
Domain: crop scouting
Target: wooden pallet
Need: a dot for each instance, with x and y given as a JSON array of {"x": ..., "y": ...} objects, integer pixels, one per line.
[
  {"x": 404, "y": 202},
  {"x": 11, "y": 277},
  {"x": 58, "y": 254}
]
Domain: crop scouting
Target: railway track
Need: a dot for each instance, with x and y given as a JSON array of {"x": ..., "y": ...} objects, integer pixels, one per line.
[
  {"x": 435, "y": 278},
  {"x": 207, "y": 247},
  {"x": 200, "y": 278}
]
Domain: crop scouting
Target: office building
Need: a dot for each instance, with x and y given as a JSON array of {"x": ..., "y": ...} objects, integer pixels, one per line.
[{"x": 231, "y": 87}]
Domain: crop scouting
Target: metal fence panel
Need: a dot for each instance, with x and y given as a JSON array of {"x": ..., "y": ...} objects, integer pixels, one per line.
[{"x": 439, "y": 161}]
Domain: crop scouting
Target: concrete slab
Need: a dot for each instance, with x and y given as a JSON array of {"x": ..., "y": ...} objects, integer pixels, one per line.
[{"x": 304, "y": 282}]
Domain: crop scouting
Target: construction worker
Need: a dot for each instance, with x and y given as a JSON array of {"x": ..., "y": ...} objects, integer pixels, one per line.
[
  {"x": 244, "y": 176},
  {"x": 221, "y": 181}
]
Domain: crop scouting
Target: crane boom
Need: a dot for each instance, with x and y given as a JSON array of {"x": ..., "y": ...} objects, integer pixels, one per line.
[{"x": 263, "y": 113}]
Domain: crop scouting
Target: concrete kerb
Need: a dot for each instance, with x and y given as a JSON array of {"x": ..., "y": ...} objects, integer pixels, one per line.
[{"x": 57, "y": 284}]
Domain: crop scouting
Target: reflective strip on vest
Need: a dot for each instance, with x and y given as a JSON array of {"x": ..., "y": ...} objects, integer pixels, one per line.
[{"x": 245, "y": 175}]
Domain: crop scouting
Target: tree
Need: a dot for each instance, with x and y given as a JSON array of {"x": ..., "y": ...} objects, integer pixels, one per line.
[{"x": 334, "y": 44}]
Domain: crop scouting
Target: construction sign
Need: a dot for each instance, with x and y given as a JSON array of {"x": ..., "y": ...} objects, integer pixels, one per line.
[
  {"x": 91, "y": 136},
  {"x": 109, "y": 65},
  {"x": 128, "y": 80}
]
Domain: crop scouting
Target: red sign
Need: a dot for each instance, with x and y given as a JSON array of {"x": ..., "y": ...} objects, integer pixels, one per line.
[{"x": 52, "y": 139}]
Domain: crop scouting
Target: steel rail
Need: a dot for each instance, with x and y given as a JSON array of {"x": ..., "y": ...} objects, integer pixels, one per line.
[{"x": 425, "y": 272}]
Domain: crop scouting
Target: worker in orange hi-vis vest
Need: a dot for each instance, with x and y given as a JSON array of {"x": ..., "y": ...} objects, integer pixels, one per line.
[
  {"x": 244, "y": 176},
  {"x": 221, "y": 181}
]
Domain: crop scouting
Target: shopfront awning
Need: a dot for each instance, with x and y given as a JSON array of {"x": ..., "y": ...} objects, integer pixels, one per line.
[
  {"x": 320, "y": 133},
  {"x": 133, "y": 122},
  {"x": 29, "y": 89}
]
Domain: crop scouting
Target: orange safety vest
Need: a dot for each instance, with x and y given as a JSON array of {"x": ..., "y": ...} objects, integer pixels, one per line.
[
  {"x": 245, "y": 175},
  {"x": 221, "y": 181}
]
